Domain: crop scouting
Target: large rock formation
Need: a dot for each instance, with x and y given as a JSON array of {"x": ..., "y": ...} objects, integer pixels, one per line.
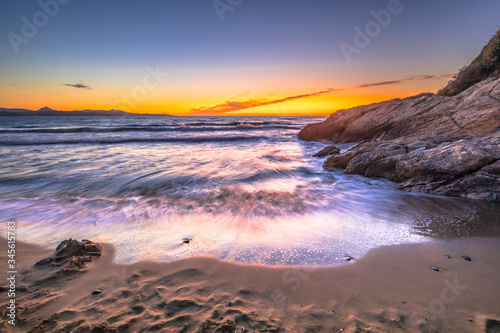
[
  {"x": 474, "y": 112},
  {"x": 469, "y": 167},
  {"x": 430, "y": 143}
]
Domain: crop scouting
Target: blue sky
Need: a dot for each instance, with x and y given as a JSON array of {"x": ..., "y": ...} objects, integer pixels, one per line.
[{"x": 262, "y": 50}]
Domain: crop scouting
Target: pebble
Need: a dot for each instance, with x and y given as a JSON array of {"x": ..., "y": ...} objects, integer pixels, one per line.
[
  {"x": 466, "y": 258},
  {"x": 448, "y": 256},
  {"x": 97, "y": 292},
  {"x": 348, "y": 258},
  {"x": 434, "y": 268},
  {"x": 186, "y": 240}
]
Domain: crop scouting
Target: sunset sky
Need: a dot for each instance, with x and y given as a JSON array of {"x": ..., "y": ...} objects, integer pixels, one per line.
[{"x": 232, "y": 57}]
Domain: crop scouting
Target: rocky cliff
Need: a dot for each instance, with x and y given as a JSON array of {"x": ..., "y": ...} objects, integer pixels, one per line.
[{"x": 447, "y": 145}]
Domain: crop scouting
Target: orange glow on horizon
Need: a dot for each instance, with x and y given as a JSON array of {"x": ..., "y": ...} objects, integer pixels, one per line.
[{"x": 181, "y": 101}]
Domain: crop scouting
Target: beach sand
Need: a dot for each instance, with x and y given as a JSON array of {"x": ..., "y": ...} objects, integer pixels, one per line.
[{"x": 391, "y": 289}]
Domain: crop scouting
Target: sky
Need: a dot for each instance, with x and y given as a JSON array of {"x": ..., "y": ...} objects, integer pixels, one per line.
[{"x": 233, "y": 57}]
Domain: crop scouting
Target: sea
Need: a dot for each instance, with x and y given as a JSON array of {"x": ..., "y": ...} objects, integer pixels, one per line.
[{"x": 243, "y": 189}]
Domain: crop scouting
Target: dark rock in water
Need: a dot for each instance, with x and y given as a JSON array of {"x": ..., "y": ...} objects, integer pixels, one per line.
[
  {"x": 72, "y": 254},
  {"x": 329, "y": 150},
  {"x": 468, "y": 167},
  {"x": 186, "y": 240},
  {"x": 348, "y": 258},
  {"x": 492, "y": 326},
  {"x": 434, "y": 268},
  {"x": 448, "y": 256},
  {"x": 466, "y": 258},
  {"x": 97, "y": 292}
]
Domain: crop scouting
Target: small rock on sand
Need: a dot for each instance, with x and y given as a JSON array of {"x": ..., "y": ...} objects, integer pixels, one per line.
[
  {"x": 434, "y": 268},
  {"x": 466, "y": 258},
  {"x": 97, "y": 292}
]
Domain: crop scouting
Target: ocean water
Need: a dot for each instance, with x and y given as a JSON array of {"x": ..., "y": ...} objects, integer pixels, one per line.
[{"x": 244, "y": 189}]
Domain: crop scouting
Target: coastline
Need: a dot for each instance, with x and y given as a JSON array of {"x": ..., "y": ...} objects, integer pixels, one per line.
[{"x": 391, "y": 288}]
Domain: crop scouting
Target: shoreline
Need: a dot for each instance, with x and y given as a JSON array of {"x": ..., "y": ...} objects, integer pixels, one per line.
[{"x": 391, "y": 288}]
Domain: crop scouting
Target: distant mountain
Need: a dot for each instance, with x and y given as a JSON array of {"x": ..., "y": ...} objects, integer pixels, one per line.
[{"x": 48, "y": 112}]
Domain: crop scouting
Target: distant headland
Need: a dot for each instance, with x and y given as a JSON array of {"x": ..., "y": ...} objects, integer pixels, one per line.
[{"x": 48, "y": 112}]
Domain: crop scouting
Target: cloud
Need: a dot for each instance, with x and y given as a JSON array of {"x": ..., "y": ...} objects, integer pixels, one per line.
[
  {"x": 385, "y": 83},
  {"x": 231, "y": 106},
  {"x": 77, "y": 85},
  {"x": 410, "y": 78}
]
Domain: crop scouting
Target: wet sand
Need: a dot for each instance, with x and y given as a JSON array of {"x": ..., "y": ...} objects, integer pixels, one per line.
[{"x": 391, "y": 289}]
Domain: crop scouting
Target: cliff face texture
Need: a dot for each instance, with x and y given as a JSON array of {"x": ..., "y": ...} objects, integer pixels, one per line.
[
  {"x": 448, "y": 145},
  {"x": 486, "y": 65}
]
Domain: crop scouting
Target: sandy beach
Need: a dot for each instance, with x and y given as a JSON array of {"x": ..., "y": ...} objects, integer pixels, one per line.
[{"x": 391, "y": 289}]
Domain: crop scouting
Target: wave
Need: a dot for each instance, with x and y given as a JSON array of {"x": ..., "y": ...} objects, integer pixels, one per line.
[
  {"x": 178, "y": 128},
  {"x": 134, "y": 140}
]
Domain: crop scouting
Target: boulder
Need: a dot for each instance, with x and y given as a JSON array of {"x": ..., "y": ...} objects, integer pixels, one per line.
[
  {"x": 466, "y": 167},
  {"x": 327, "y": 151},
  {"x": 72, "y": 255}
]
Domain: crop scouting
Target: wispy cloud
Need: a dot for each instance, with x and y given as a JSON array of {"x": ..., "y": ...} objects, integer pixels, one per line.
[
  {"x": 231, "y": 106},
  {"x": 385, "y": 83},
  {"x": 78, "y": 85},
  {"x": 410, "y": 78}
]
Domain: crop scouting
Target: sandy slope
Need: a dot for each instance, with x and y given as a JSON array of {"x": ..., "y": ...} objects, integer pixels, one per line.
[{"x": 391, "y": 289}]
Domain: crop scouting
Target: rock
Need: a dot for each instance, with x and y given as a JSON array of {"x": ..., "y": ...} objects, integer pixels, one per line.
[
  {"x": 97, "y": 291},
  {"x": 348, "y": 258},
  {"x": 72, "y": 254},
  {"x": 472, "y": 113},
  {"x": 468, "y": 167},
  {"x": 448, "y": 256},
  {"x": 446, "y": 144},
  {"x": 434, "y": 268},
  {"x": 492, "y": 326},
  {"x": 328, "y": 150},
  {"x": 186, "y": 240},
  {"x": 466, "y": 258}
]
